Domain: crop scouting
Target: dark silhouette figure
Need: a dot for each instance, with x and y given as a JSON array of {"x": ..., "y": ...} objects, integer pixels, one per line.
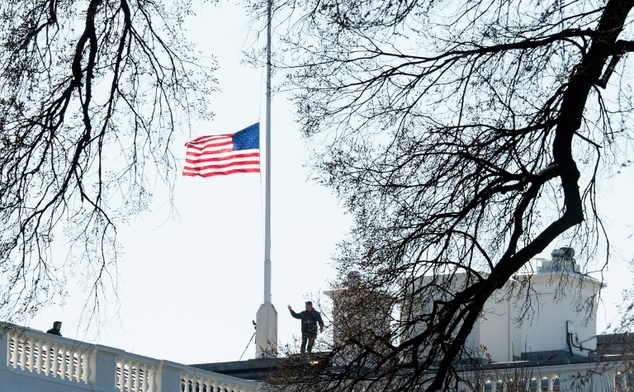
[
  {"x": 310, "y": 318},
  {"x": 57, "y": 327}
]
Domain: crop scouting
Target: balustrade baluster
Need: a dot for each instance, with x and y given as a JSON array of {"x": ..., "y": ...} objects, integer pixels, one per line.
[
  {"x": 46, "y": 363},
  {"x": 131, "y": 376},
  {"x": 137, "y": 377},
  {"x": 72, "y": 361},
  {"x": 11, "y": 348},
  {"x": 209, "y": 385},
  {"x": 22, "y": 357},
  {"x": 81, "y": 369},
  {"x": 86, "y": 369},
  {"x": 14, "y": 352},
  {"x": 53, "y": 359},
  {"x": 120, "y": 380},
  {"x": 61, "y": 358},
  {"x": 39, "y": 361},
  {"x": 143, "y": 378},
  {"x": 28, "y": 355},
  {"x": 129, "y": 370}
]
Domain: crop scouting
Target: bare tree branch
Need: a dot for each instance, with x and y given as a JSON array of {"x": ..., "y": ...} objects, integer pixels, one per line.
[
  {"x": 465, "y": 138},
  {"x": 90, "y": 95}
]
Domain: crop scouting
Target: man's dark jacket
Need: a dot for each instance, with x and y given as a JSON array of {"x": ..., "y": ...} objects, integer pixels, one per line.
[{"x": 309, "y": 321}]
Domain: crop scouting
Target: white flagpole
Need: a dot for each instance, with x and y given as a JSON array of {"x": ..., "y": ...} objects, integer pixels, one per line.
[
  {"x": 266, "y": 318},
  {"x": 267, "y": 218}
]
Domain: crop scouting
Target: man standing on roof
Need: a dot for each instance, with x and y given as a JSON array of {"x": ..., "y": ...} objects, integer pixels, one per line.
[{"x": 310, "y": 318}]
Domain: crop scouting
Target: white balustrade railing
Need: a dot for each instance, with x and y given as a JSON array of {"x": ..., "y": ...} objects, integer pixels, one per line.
[
  {"x": 48, "y": 357},
  {"x": 202, "y": 382},
  {"x": 609, "y": 375},
  {"x": 136, "y": 376},
  {"x": 33, "y": 358}
]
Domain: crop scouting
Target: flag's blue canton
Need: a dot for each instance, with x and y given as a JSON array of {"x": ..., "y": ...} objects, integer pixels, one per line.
[{"x": 247, "y": 139}]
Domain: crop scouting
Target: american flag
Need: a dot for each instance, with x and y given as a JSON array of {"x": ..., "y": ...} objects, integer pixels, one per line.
[{"x": 217, "y": 155}]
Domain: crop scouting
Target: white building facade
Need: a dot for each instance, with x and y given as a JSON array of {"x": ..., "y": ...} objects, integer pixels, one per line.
[{"x": 561, "y": 322}]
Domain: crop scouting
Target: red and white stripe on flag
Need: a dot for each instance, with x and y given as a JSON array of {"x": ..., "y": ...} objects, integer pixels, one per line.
[{"x": 215, "y": 155}]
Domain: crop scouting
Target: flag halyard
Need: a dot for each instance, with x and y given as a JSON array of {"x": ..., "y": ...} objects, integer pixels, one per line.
[{"x": 214, "y": 155}]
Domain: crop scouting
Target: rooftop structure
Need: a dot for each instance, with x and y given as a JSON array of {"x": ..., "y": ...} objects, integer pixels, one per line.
[{"x": 556, "y": 350}]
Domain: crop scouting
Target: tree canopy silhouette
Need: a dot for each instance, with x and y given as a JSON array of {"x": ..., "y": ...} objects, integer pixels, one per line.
[
  {"x": 464, "y": 137},
  {"x": 90, "y": 95}
]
